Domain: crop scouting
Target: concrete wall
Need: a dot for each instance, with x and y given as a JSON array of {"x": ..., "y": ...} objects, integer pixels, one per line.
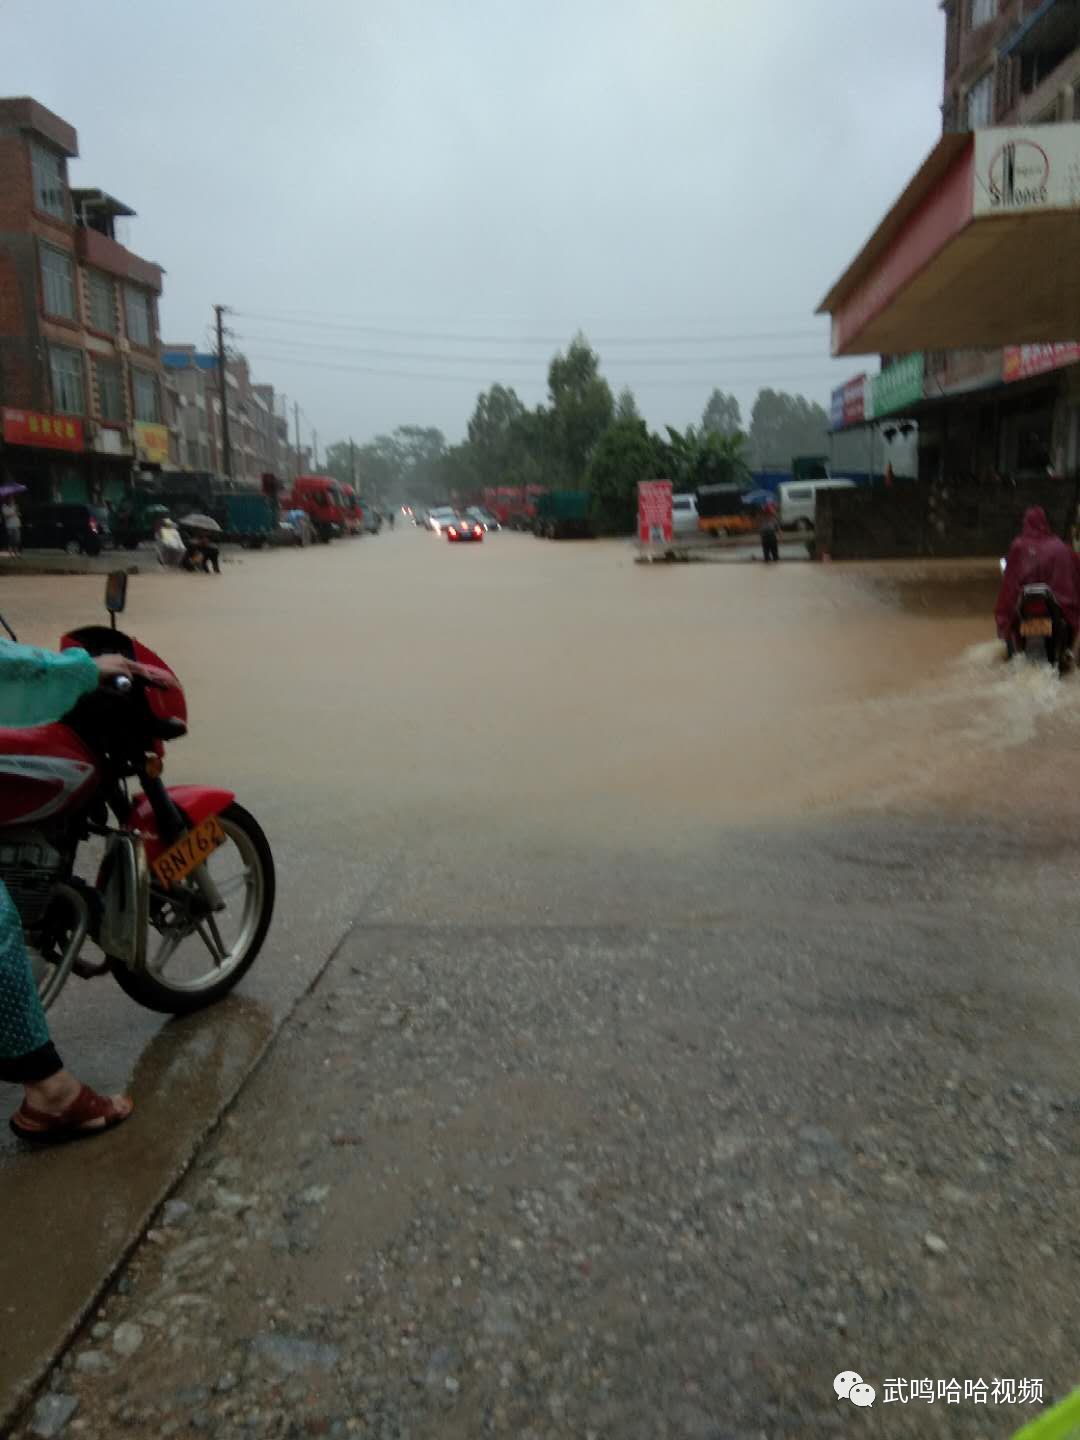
[{"x": 915, "y": 519}]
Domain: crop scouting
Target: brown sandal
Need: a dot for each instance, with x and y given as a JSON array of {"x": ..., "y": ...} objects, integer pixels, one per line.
[{"x": 75, "y": 1123}]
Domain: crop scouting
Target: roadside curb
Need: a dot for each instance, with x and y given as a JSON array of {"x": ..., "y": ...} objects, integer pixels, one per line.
[{"x": 16, "y": 1405}]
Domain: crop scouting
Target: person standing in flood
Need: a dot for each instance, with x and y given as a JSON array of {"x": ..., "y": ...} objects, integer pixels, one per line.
[
  {"x": 770, "y": 533},
  {"x": 9, "y": 511}
]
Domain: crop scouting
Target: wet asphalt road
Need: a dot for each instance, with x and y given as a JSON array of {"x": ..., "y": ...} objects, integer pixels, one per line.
[{"x": 609, "y": 851}]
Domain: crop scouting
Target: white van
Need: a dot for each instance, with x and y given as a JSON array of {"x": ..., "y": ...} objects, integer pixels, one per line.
[
  {"x": 684, "y": 516},
  {"x": 798, "y": 501}
]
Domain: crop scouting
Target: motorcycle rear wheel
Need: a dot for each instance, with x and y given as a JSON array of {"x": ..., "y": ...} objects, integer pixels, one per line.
[{"x": 179, "y": 941}]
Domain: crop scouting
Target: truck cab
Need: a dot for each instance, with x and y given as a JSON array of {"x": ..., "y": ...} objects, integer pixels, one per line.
[{"x": 320, "y": 497}]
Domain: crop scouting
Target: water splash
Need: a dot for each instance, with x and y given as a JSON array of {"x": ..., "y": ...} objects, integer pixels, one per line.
[{"x": 910, "y": 744}]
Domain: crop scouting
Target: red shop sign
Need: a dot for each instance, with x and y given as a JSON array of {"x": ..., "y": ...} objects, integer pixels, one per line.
[
  {"x": 654, "y": 512},
  {"x": 50, "y": 432}
]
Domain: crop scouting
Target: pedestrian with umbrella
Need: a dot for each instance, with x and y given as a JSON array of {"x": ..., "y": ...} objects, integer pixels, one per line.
[
  {"x": 203, "y": 553},
  {"x": 9, "y": 511}
]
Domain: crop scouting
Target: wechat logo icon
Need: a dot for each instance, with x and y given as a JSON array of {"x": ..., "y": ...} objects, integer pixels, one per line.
[{"x": 849, "y": 1385}]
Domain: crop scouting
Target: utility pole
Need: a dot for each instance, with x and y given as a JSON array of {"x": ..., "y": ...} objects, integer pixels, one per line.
[
  {"x": 315, "y": 445},
  {"x": 352, "y": 463},
  {"x": 219, "y": 311},
  {"x": 296, "y": 419}
]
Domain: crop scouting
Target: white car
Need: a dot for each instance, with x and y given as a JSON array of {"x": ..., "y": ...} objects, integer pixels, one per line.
[
  {"x": 684, "y": 516},
  {"x": 441, "y": 517},
  {"x": 798, "y": 501}
]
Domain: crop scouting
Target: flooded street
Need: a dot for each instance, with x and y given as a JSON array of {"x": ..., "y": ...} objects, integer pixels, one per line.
[{"x": 678, "y": 1002}]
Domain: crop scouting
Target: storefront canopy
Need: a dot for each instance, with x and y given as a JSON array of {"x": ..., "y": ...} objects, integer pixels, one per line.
[{"x": 982, "y": 249}]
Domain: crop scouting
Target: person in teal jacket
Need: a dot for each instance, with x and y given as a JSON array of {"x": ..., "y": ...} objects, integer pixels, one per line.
[{"x": 36, "y": 686}]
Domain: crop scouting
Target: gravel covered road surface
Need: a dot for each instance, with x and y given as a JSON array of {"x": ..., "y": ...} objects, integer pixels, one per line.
[{"x": 704, "y": 1025}]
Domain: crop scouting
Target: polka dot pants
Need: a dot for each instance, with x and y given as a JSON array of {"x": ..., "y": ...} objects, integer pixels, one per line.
[{"x": 22, "y": 1020}]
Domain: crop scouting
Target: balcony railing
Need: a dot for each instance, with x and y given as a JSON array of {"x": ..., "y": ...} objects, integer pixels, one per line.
[{"x": 93, "y": 248}]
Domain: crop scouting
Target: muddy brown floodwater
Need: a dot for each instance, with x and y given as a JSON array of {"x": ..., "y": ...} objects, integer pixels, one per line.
[
  {"x": 618, "y": 847},
  {"x": 386, "y": 689}
]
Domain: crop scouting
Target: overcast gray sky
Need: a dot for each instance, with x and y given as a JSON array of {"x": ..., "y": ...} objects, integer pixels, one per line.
[{"x": 357, "y": 176}]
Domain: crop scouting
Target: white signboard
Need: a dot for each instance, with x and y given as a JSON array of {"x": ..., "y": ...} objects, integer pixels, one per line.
[
  {"x": 111, "y": 442},
  {"x": 1021, "y": 169}
]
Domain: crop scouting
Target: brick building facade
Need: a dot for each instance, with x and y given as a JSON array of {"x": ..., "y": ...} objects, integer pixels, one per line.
[
  {"x": 81, "y": 394},
  {"x": 1011, "y": 62},
  {"x": 258, "y": 433}
]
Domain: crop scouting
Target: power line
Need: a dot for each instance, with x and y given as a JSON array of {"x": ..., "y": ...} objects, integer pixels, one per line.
[
  {"x": 390, "y": 332},
  {"x": 306, "y": 364},
  {"x": 530, "y": 361}
]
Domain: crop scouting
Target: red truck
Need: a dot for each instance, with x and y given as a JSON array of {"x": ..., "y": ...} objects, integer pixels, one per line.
[
  {"x": 514, "y": 505},
  {"x": 354, "y": 511},
  {"x": 320, "y": 496}
]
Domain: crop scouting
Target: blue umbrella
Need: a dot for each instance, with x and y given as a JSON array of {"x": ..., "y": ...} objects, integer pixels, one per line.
[
  {"x": 757, "y": 497},
  {"x": 12, "y": 489}
]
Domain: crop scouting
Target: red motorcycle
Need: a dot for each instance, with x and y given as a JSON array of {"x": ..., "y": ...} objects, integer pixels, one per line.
[{"x": 184, "y": 886}]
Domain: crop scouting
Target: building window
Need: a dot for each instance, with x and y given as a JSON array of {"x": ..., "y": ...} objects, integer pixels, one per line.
[
  {"x": 982, "y": 12},
  {"x": 144, "y": 387},
  {"x": 980, "y": 102},
  {"x": 66, "y": 368},
  {"x": 57, "y": 282},
  {"x": 139, "y": 309},
  {"x": 102, "y": 297},
  {"x": 110, "y": 388},
  {"x": 50, "y": 190}
]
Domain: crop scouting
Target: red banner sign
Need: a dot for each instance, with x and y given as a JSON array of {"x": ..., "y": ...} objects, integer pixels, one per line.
[
  {"x": 1022, "y": 361},
  {"x": 50, "y": 432},
  {"x": 654, "y": 512}
]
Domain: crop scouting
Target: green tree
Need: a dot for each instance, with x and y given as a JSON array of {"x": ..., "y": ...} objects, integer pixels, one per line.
[
  {"x": 394, "y": 467},
  {"x": 722, "y": 458},
  {"x": 339, "y": 461},
  {"x": 721, "y": 414},
  {"x": 783, "y": 425},
  {"x": 625, "y": 454},
  {"x": 705, "y": 457},
  {"x": 626, "y": 406},
  {"x": 493, "y": 434},
  {"x": 581, "y": 409}
]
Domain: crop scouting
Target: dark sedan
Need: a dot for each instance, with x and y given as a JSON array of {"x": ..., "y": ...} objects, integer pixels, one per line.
[{"x": 462, "y": 528}]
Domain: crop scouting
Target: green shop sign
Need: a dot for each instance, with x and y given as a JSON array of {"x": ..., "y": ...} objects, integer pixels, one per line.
[{"x": 898, "y": 386}]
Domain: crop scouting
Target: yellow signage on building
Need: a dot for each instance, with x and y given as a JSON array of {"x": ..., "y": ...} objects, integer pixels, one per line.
[{"x": 152, "y": 443}]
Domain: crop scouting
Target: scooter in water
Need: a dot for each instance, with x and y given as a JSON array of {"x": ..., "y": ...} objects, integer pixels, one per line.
[
  {"x": 1040, "y": 629},
  {"x": 185, "y": 886}
]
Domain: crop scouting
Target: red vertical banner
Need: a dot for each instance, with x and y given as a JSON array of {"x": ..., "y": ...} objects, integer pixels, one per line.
[{"x": 654, "y": 512}]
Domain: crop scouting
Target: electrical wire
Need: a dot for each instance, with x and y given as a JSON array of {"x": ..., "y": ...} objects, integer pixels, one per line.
[
  {"x": 390, "y": 332},
  {"x": 530, "y": 361},
  {"x": 713, "y": 380}
]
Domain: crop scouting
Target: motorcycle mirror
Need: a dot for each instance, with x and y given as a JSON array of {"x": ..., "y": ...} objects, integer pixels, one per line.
[{"x": 116, "y": 593}]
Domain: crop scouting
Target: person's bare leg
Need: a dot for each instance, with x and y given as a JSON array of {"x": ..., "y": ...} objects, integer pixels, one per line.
[{"x": 54, "y": 1095}]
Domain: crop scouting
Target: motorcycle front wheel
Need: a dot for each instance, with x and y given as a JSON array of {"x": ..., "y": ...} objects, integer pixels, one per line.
[{"x": 195, "y": 954}]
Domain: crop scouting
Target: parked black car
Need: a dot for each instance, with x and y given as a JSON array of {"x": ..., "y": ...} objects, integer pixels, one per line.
[{"x": 78, "y": 529}]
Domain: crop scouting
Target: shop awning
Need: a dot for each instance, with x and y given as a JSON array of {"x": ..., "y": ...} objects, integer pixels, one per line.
[{"x": 982, "y": 249}]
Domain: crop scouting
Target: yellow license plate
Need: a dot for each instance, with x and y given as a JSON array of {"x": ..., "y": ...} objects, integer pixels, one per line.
[
  {"x": 189, "y": 851},
  {"x": 1036, "y": 627}
]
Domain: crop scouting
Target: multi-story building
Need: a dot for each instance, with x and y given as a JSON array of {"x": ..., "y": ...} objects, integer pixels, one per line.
[
  {"x": 1011, "y": 62},
  {"x": 258, "y": 435},
  {"x": 1011, "y": 413},
  {"x": 81, "y": 398}
]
